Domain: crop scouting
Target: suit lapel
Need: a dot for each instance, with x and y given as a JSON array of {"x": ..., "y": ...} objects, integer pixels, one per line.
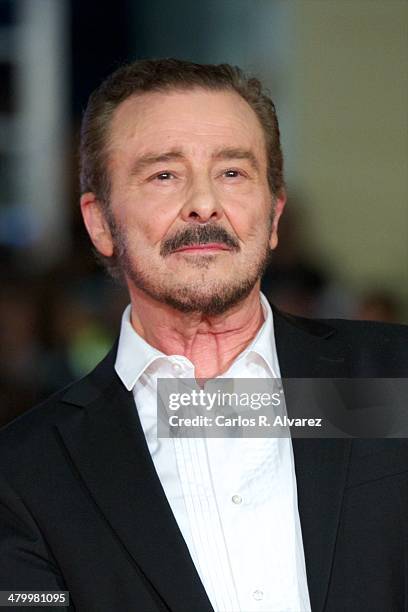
[
  {"x": 308, "y": 349},
  {"x": 108, "y": 448}
]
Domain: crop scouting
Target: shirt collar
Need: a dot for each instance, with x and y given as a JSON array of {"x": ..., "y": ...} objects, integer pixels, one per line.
[
  {"x": 134, "y": 354},
  {"x": 264, "y": 342}
]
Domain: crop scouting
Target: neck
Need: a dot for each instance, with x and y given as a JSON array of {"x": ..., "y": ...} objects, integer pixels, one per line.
[{"x": 210, "y": 343}]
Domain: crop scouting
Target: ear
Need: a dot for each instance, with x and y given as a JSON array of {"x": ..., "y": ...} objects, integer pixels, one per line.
[
  {"x": 96, "y": 224},
  {"x": 278, "y": 206}
]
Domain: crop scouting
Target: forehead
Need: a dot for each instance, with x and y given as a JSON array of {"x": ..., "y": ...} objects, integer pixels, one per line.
[{"x": 191, "y": 120}]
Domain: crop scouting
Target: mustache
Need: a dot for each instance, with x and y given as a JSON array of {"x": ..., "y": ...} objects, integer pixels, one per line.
[{"x": 198, "y": 234}]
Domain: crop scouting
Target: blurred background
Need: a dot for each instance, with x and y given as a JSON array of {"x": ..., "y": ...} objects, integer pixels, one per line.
[{"x": 337, "y": 72}]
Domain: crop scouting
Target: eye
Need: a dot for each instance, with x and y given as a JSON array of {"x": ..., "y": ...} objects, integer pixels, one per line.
[
  {"x": 233, "y": 173},
  {"x": 164, "y": 176}
]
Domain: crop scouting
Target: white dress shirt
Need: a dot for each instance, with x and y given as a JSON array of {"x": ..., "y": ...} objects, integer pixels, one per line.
[{"x": 234, "y": 499}]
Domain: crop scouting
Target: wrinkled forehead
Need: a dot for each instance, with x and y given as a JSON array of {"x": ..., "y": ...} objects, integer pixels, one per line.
[{"x": 185, "y": 118}]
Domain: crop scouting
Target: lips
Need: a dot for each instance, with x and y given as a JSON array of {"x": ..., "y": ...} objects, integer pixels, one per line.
[{"x": 211, "y": 246}]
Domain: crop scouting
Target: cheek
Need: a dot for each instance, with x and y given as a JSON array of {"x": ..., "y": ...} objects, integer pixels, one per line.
[
  {"x": 144, "y": 216},
  {"x": 249, "y": 224},
  {"x": 146, "y": 228}
]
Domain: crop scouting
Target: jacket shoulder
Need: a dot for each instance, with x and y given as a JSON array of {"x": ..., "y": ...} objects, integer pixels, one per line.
[
  {"x": 33, "y": 429},
  {"x": 61, "y": 405},
  {"x": 34, "y": 433},
  {"x": 353, "y": 330},
  {"x": 369, "y": 348},
  {"x": 372, "y": 334}
]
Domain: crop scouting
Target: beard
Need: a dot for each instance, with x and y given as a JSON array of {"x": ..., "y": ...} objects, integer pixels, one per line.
[{"x": 202, "y": 295}]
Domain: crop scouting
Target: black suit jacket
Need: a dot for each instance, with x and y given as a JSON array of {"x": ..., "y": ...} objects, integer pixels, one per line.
[{"x": 82, "y": 509}]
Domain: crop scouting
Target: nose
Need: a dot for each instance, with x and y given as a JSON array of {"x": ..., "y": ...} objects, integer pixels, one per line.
[{"x": 202, "y": 204}]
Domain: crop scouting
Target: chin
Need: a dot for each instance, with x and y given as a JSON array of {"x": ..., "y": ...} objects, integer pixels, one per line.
[{"x": 210, "y": 302}]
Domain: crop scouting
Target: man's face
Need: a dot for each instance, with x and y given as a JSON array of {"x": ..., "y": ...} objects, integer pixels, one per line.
[{"x": 192, "y": 209}]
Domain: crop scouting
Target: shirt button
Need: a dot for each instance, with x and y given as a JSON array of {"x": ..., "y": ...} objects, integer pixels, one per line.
[
  {"x": 258, "y": 595},
  {"x": 177, "y": 368},
  {"x": 236, "y": 499}
]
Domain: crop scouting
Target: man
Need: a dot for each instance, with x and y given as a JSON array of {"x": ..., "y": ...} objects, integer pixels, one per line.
[{"x": 182, "y": 192}]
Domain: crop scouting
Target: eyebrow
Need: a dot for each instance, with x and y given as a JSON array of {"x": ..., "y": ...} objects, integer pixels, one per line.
[
  {"x": 237, "y": 153},
  {"x": 148, "y": 159},
  {"x": 226, "y": 153}
]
